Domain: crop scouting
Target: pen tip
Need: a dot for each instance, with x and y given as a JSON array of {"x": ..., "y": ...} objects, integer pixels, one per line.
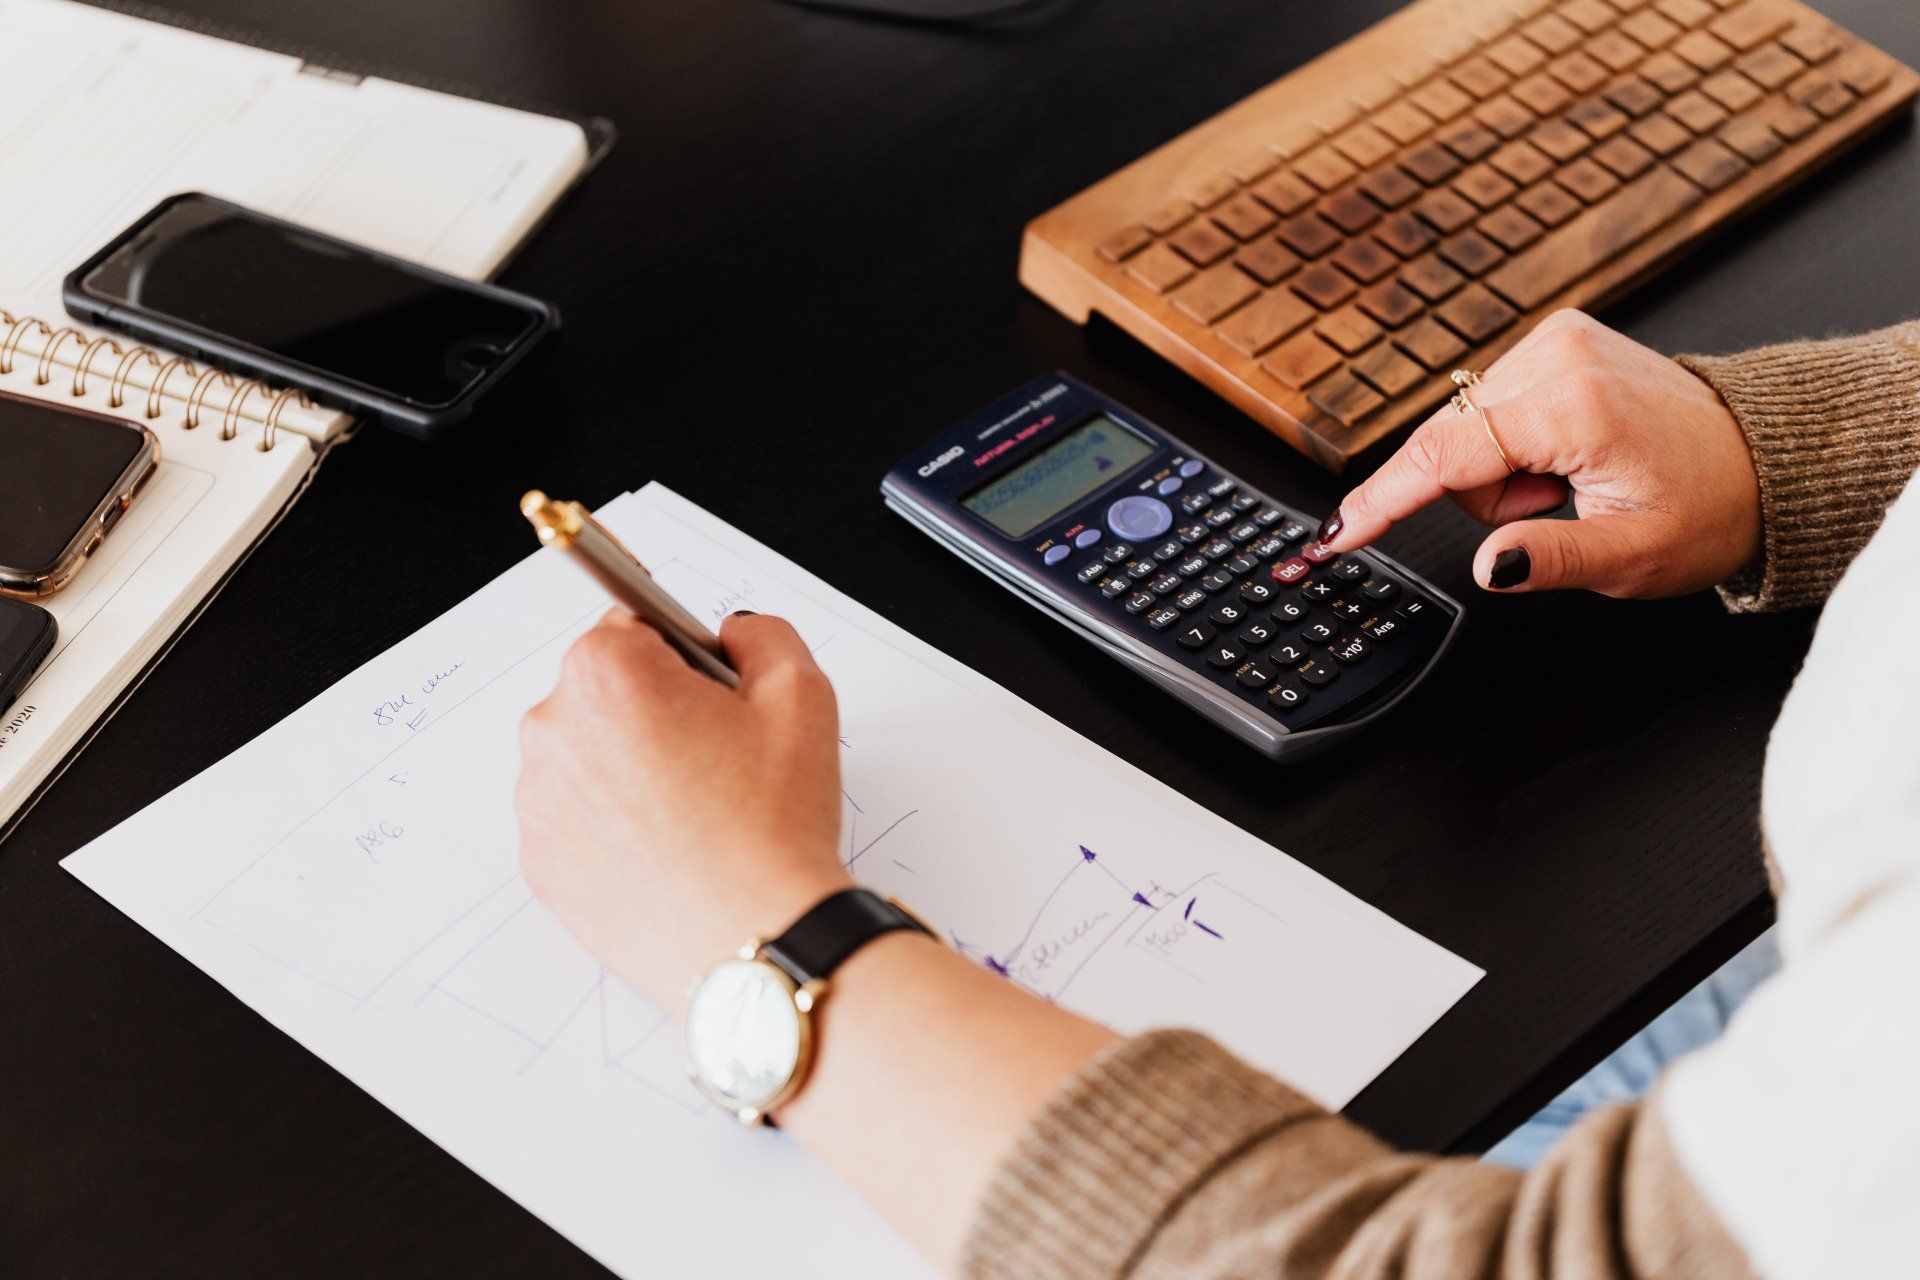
[{"x": 532, "y": 503}]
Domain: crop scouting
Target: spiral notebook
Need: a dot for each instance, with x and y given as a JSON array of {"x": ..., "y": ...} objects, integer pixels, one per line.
[{"x": 108, "y": 113}]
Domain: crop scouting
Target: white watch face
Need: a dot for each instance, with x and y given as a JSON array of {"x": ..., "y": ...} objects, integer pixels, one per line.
[{"x": 744, "y": 1034}]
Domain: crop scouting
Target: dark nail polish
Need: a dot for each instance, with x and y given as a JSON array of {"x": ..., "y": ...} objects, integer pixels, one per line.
[
  {"x": 1330, "y": 527},
  {"x": 1510, "y": 568},
  {"x": 744, "y": 613}
]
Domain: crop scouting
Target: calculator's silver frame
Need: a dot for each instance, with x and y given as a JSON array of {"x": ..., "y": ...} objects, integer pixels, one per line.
[{"x": 1275, "y": 742}]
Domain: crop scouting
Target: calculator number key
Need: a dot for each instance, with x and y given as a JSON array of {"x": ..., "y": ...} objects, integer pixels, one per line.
[
  {"x": 1196, "y": 634},
  {"x": 1317, "y": 632},
  {"x": 1229, "y": 614},
  {"x": 1257, "y": 675},
  {"x": 1288, "y": 612},
  {"x": 1225, "y": 654},
  {"x": 1287, "y": 697},
  {"x": 1258, "y": 593},
  {"x": 1290, "y": 653},
  {"x": 1257, "y": 633}
]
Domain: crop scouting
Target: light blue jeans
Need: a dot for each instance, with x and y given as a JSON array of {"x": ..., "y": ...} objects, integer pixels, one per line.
[{"x": 1696, "y": 1019}]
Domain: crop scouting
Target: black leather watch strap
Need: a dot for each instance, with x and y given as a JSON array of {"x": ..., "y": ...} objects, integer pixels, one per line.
[{"x": 820, "y": 941}]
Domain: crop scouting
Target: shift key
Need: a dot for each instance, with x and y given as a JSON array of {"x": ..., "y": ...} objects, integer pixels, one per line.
[{"x": 1579, "y": 247}]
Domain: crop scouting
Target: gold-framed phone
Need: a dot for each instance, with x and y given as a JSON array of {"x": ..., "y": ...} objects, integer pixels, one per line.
[{"x": 67, "y": 475}]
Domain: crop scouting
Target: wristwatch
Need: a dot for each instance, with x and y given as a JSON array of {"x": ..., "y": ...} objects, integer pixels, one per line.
[{"x": 750, "y": 1034}]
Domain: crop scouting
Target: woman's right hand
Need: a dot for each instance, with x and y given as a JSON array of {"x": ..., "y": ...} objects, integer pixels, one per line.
[{"x": 1659, "y": 472}]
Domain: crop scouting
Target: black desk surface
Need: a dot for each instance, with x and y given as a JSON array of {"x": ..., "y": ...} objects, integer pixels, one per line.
[{"x": 798, "y": 262}]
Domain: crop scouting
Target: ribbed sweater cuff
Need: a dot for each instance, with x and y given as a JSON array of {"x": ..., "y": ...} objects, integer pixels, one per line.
[
  {"x": 1835, "y": 432},
  {"x": 1114, "y": 1152}
]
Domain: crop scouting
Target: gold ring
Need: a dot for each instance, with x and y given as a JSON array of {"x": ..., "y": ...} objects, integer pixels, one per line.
[{"x": 1463, "y": 403}]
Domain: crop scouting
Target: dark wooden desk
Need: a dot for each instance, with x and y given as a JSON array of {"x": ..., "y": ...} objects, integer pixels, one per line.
[{"x": 798, "y": 263}]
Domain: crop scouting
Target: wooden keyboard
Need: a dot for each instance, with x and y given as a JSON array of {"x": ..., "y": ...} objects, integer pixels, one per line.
[{"x": 1324, "y": 252}]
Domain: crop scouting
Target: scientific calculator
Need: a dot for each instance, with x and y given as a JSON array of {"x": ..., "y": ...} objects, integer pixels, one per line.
[{"x": 1202, "y": 584}]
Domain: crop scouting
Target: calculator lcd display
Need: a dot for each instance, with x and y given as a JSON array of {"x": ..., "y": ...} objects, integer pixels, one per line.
[{"x": 1060, "y": 475}]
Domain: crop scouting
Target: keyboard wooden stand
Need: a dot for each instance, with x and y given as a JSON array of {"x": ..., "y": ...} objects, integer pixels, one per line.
[{"x": 1324, "y": 252}]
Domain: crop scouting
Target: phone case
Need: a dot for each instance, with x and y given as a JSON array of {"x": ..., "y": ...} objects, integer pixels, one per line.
[
  {"x": 423, "y": 421},
  {"x": 27, "y": 633},
  {"x": 44, "y": 580}
]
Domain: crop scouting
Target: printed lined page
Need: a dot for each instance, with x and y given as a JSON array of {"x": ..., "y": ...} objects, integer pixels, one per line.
[
  {"x": 107, "y": 115},
  {"x": 351, "y": 875}
]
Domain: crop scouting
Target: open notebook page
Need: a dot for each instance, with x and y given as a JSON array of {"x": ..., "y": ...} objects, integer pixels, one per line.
[
  {"x": 108, "y": 114},
  {"x": 351, "y": 875}
]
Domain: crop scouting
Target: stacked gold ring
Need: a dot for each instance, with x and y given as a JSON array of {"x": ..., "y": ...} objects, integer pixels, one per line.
[{"x": 1466, "y": 379}]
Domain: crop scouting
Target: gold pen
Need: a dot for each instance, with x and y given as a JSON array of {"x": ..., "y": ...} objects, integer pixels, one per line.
[{"x": 567, "y": 525}]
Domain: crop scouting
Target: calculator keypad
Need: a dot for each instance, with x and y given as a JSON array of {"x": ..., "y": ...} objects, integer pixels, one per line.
[{"x": 1236, "y": 590}]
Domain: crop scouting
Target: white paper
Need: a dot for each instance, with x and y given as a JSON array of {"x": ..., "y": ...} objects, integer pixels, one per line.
[{"x": 351, "y": 875}]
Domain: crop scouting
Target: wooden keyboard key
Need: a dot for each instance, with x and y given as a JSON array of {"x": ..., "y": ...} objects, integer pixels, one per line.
[
  {"x": 1704, "y": 51},
  {"x": 1791, "y": 121},
  {"x": 1122, "y": 245},
  {"x": 1265, "y": 321},
  {"x": 1405, "y": 234},
  {"x": 1731, "y": 90},
  {"x": 1251, "y": 168},
  {"x": 1669, "y": 72},
  {"x": 1168, "y": 216},
  {"x": 1560, "y": 140},
  {"x": 1588, "y": 15},
  {"x": 1325, "y": 168},
  {"x": 1484, "y": 185},
  {"x": 1215, "y": 292},
  {"x": 1301, "y": 359},
  {"x": 1431, "y": 278},
  {"x": 1391, "y": 303},
  {"x": 1475, "y": 314},
  {"x": 1431, "y": 163},
  {"x": 1697, "y": 111},
  {"x": 1614, "y": 50},
  {"x": 1549, "y": 202},
  {"x": 1568, "y": 253},
  {"x": 1309, "y": 235},
  {"x": 1322, "y": 284},
  {"x": 1516, "y": 55},
  {"x": 1820, "y": 92},
  {"x": 1635, "y": 95},
  {"x": 1245, "y": 217},
  {"x": 1525, "y": 163},
  {"x": 1578, "y": 72},
  {"x": 1201, "y": 243},
  {"x": 1350, "y": 211},
  {"x": 1365, "y": 145},
  {"x": 1552, "y": 33},
  {"x": 1267, "y": 261},
  {"x": 1510, "y": 228},
  {"x": 1770, "y": 66},
  {"x": 1865, "y": 71},
  {"x": 1214, "y": 190},
  {"x": 1471, "y": 253},
  {"x": 1660, "y": 133},
  {"x": 1345, "y": 398},
  {"x": 1504, "y": 116},
  {"x": 1364, "y": 259},
  {"x": 1468, "y": 140},
  {"x": 1159, "y": 268},
  {"x": 1479, "y": 76},
  {"x": 1445, "y": 211},
  {"x": 1623, "y": 157},
  {"x": 1597, "y": 118},
  {"x": 1390, "y": 186},
  {"x": 1349, "y": 330},
  {"x": 1403, "y": 122},
  {"x": 1431, "y": 344},
  {"x": 1812, "y": 41},
  {"x": 1285, "y": 193},
  {"x": 1650, "y": 28},
  {"x": 1542, "y": 94},
  {"x": 1440, "y": 99},
  {"x": 1751, "y": 136},
  {"x": 1387, "y": 370},
  {"x": 1753, "y": 23},
  {"x": 1709, "y": 164},
  {"x": 1587, "y": 180},
  {"x": 1688, "y": 13}
]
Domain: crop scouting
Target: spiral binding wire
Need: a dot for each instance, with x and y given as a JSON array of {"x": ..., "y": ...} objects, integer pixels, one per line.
[{"x": 129, "y": 358}]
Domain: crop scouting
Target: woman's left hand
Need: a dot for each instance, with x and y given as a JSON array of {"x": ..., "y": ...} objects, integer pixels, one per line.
[{"x": 667, "y": 819}]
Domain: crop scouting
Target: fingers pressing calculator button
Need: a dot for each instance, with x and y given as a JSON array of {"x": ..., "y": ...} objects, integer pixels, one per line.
[
  {"x": 1288, "y": 572},
  {"x": 1315, "y": 553},
  {"x": 1258, "y": 675},
  {"x": 1161, "y": 619},
  {"x": 1288, "y": 612},
  {"x": 1196, "y": 634},
  {"x": 1348, "y": 570},
  {"x": 1318, "y": 590},
  {"x": 1257, "y": 593},
  {"x": 1318, "y": 673},
  {"x": 1286, "y": 697},
  {"x": 1140, "y": 602},
  {"x": 1057, "y": 552},
  {"x": 1381, "y": 589},
  {"x": 1257, "y": 633},
  {"x": 1092, "y": 571},
  {"x": 1139, "y": 517},
  {"x": 1228, "y": 615},
  {"x": 1350, "y": 649},
  {"x": 1225, "y": 654},
  {"x": 1317, "y": 632}
]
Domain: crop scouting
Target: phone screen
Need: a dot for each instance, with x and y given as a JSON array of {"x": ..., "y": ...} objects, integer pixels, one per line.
[
  {"x": 56, "y": 467},
  {"x": 312, "y": 302}
]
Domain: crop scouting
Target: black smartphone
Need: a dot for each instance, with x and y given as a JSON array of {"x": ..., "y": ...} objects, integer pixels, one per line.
[
  {"x": 66, "y": 475},
  {"x": 356, "y": 329},
  {"x": 26, "y": 638}
]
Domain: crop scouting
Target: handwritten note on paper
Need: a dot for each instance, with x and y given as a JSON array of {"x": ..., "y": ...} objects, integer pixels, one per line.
[{"x": 351, "y": 875}]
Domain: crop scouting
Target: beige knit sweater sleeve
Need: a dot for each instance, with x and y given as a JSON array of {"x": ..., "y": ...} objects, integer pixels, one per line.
[{"x": 1169, "y": 1159}]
